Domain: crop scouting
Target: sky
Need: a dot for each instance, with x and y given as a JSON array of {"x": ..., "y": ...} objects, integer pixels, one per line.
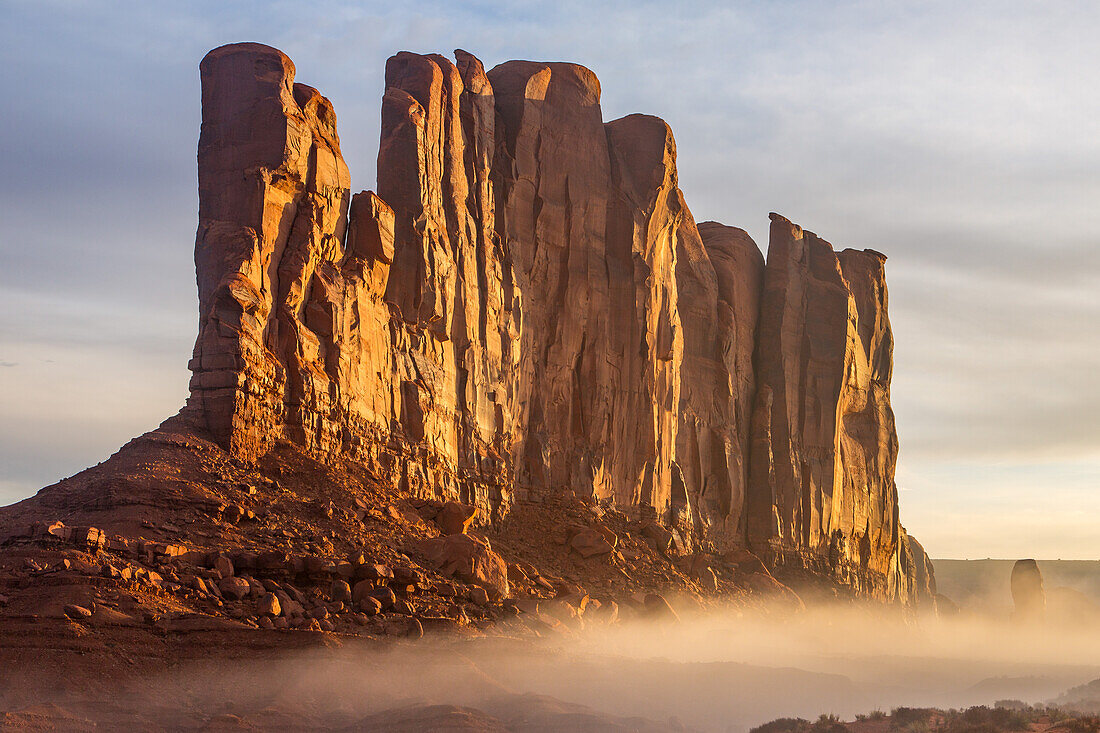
[{"x": 960, "y": 139}]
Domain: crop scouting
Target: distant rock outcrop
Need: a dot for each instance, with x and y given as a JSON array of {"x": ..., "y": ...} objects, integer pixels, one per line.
[
  {"x": 922, "y": 574},
  {"x": 1027, "y": 592},
  {"x": 527, "y": 305}
]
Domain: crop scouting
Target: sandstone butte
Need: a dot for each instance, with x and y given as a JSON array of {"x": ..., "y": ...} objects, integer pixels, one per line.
[{"x": 525, "y": 308}]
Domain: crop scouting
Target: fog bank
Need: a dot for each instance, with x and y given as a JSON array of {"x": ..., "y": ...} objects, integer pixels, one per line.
[{"x": 715, "y": 672}]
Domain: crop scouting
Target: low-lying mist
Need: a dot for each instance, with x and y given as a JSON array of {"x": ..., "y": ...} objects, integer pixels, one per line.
[{"x": 715, "y": 672}]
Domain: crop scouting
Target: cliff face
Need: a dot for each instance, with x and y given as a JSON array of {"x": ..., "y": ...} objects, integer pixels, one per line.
[
  {"x": 527, "y": 305},
  {"x": 824, "y": 444}
]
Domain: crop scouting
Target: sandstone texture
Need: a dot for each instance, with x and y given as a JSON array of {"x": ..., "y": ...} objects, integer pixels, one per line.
[{"x": 526, "y": 305}]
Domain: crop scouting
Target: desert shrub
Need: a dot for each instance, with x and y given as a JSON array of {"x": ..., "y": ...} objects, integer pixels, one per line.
[
  {"x": 784, "y": 725},
  {"x": 1012, "y": 704},
  {"x": 982, "y": 719},
  {"x": 828, "y": 724},
  {"x": 1083, "y": 724},
  {"x": 905, "y": 717},
  {"x": 915, "y": 726},
  {"x": 873, "y": 715}
]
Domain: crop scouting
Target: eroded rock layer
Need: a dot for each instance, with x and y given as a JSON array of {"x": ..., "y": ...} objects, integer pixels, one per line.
[{"x": 526, "y": 305}]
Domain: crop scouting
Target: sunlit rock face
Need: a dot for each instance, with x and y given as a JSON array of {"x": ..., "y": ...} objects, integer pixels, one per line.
[
  {"x": 824, "y": 446},
  {"x": 526, "y": 305}
]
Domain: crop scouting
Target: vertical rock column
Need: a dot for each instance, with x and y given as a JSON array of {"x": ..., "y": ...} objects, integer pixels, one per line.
[
  {"x": 719, "y": 379},
  {"x": 823, "y": 441},
  {"x": 865, "y": 510},
  {"x": 450, "y": 284},
  {"x": 645, "y": 339},
  {"x": 271, "y": 179},
  {"x": 554, "y": 173}
]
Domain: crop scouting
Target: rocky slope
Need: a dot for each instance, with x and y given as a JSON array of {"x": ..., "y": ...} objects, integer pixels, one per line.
[{"x": 524, "y": 313}]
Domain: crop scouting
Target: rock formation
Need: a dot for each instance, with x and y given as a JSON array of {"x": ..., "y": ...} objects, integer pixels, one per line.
[
  {"x": 824, "y": 445},
  {"x": 921, "y": 577},
  {"x": 1027, "y": 592},
  {"x": 526, "y": 305}
]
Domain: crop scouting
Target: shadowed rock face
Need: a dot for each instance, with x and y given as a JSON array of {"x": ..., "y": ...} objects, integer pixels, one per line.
[
  {"x": 1027, "y": 592},
  {"x": 921, "y": 575},
  {"x": 527, "y": 305}
]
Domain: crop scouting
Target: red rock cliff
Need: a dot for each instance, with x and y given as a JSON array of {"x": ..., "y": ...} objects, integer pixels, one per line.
[{"x": 527, "y": 305}]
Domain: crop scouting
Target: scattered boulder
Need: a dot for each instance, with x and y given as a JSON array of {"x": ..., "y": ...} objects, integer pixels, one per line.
[
  {"x": 362, "y": 589},
  {"x": 658, "y": 536},
  {"x": 374, "y": 571},
  {"x": 405, "y": 575},
  {"x": 776, "y": 593},
  {"x": 340, "y": 591},
  {"x": 516, "y": 574},
  {"x": 708, "y": 580},
  {"x": 658, "y": 608},
  {"x": 468, "y": 559},
  {"x": 77, "y": 613},
  {"x": 404, "y": 513},
  {"x": 455, "y": 517},
  {"x": 562, "y": 611},
  {"x": 287, "y": 605},
  {"x": 110, "y": 571},
  {"x": 744, "y": 562},
  {"x": 385, "y": 596},
  {"x": 588, "y": 543},
  {"x": 414, "y": 629},
  {"x": 269, "y": 605},
  {"x": 234, "y": 588},
  {"x": 606, "y": 612}
]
